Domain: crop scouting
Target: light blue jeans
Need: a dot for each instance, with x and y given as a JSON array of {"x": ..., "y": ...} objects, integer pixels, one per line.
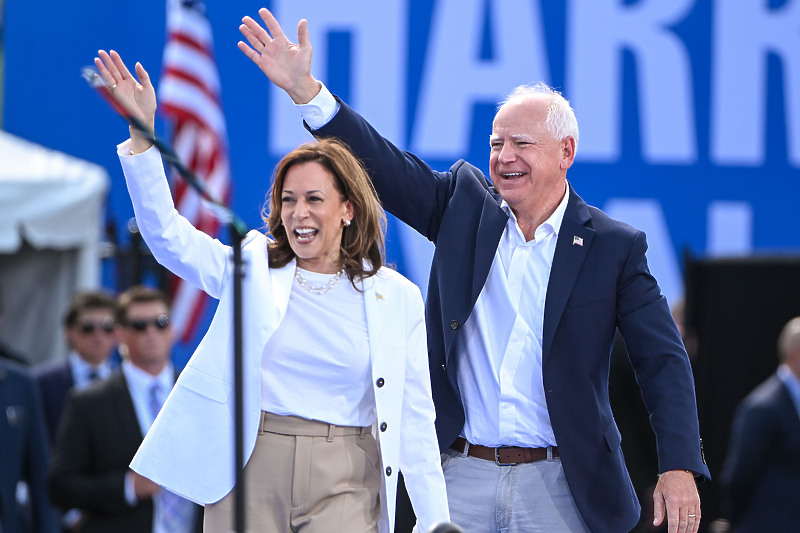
[{"x": 524, "y": 498}]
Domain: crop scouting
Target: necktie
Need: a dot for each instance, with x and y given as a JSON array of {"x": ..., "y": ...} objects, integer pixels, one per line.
[
  {"x": 172, "y": 512},
  {"x": 155, "y": 399},
  {"x": 93, "y": 375}
]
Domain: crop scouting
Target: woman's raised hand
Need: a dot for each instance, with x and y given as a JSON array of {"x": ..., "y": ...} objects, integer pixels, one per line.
[
  {"x": 138, "y": 98},
  {"x": 286, "y": 64}
]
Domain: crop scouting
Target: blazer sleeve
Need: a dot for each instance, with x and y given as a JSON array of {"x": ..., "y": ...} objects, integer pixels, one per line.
[
  {"x": 660, "y": 362},
  {"x": 419, "y": 449},
  {"x": 174, "y": 241}
]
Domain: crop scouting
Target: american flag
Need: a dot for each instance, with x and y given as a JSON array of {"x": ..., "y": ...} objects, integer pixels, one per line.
[{"x": 189, "y": 96}]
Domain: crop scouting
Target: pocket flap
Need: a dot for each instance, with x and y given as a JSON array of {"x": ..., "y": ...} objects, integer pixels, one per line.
[{"x": 204, "y": 385}]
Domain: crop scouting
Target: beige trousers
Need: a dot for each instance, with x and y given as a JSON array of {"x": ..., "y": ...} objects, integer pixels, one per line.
[{"x": 306, "y": 476}]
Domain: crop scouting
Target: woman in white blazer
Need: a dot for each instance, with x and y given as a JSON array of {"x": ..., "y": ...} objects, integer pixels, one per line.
[{"x": 336, "y": 392}]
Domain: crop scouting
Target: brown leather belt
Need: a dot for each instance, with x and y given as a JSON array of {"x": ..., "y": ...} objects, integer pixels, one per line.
[{"x": 504, "y": 455}]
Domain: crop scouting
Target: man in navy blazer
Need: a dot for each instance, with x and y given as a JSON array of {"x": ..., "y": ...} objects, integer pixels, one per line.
[
  {"x": 89, "y": 330},
  {"x": 761, "y": 478},
  {"x": 24, "y": 454},
  {"x": 528, "y": 286}
]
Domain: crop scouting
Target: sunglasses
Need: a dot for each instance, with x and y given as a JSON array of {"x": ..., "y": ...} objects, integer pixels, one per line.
[
  {"x": 87, "y": 327},
  {"x": 160, "y": 322}
]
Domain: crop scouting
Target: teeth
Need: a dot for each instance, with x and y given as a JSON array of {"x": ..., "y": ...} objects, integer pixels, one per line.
[
  {"x": 305, "y": 231},
  {"x": 513, "y": 174}
]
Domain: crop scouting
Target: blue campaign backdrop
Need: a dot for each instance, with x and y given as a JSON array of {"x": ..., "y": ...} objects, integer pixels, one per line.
[{"x": 690, "y": 122}]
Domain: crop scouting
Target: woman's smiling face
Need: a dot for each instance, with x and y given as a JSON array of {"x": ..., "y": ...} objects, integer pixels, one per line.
[{"x": 314, "y": 214}]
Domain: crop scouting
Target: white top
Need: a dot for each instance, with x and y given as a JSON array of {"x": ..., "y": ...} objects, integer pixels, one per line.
[{"x": 317, "y": 365}]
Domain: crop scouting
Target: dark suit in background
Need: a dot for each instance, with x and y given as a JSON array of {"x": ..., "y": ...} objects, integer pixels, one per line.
[
  {"x": 98, "y": 437},
  {"x": 55, "y": 381},
  {"x": 762, "y": 471},
  {"x": 24, "y": 454}
]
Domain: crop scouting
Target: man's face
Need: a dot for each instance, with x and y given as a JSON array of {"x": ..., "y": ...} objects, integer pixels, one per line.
[
  {"x": 92, "y": 335},
  {"x": 527, "y": 165},
  {"x": 147, "y": 334}
]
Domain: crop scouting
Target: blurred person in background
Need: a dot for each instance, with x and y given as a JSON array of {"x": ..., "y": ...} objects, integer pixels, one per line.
[
  {"x": 24, "y": 456},
  {"x": 89, "y": 329},
  {"x": 761, "y": 476}
]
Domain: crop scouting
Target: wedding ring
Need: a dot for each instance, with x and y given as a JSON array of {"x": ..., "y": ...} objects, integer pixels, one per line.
[
  {"x": 692, "y": 516},
  {"x": 112, "y": 86}
]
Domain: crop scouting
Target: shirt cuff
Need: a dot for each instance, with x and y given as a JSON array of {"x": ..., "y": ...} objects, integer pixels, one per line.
[{"x": 320, "y": 110}]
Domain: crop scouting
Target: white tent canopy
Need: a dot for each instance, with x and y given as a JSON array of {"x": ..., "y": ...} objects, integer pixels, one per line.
[{"x": 51, "y": 207}]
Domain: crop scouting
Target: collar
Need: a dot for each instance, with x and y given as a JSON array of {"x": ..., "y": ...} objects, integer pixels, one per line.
[
  {"x": 143, "y": 381},
  {"x": 553, "y": 222},
  {"x": 81, "y": 368}
]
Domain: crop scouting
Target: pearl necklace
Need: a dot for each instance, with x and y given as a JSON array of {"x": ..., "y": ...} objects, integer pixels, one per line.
[{"x": 321, "y": 289}]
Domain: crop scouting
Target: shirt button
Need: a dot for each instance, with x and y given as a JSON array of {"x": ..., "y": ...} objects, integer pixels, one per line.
[
  {"x": 388, "y": 470},
  {"x": 454, "y": 324},
  {"x": 384, "y": 426},
  {"x": 380, "y": 382}
]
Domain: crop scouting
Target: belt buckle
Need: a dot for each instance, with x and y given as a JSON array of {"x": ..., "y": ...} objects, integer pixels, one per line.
[{"x": 497, "y": 456}]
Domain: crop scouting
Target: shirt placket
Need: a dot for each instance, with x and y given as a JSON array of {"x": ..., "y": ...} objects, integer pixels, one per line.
[{"x": 516, "y": 345}]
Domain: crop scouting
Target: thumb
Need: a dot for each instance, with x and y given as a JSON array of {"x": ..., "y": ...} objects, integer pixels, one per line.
[
  {"x": 659, "y": 508},
  {"x": 302, "y": 34}
]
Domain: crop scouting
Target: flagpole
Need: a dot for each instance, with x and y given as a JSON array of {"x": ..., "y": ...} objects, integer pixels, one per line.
[{"x": 238, "y": 230}]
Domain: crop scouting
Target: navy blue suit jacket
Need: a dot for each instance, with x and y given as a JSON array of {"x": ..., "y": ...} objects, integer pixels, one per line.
[
  {"x": 762, "y": 472},
  {"x": 594, "y": 289},
  {"x": 55, "y": 381},
  {"x": 24, "y": 453}
]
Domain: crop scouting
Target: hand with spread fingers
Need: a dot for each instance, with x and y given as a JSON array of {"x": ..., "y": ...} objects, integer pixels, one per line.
[
  {"x": 137, "y": 97},
  {"x": 286, "y": 64},
  {"x": 676, "y": 497}
]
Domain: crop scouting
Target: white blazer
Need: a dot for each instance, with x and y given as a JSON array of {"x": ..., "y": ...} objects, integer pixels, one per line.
[{"x": 189, "y": 448}]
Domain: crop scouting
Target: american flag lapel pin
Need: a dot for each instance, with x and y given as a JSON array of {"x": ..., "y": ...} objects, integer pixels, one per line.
[{"x": 577, "y": 240}]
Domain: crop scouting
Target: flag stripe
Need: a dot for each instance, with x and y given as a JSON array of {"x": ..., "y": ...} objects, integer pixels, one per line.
[{"x": 189, "y": 96}]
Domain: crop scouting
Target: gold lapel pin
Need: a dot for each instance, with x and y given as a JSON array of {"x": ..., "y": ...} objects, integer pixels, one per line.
[{"x": 379, "y": 296}]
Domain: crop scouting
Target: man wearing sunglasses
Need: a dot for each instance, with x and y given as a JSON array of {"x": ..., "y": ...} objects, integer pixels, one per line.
[
  {"x": 89, "y": 324},
  {"x": 104, "y": 425}
]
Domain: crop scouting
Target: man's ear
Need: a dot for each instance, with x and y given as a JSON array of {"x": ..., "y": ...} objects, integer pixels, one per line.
[{"x": 567, "y": 152}]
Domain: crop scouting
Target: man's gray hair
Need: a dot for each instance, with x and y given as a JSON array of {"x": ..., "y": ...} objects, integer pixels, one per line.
[{"x": 560, "y": 121}]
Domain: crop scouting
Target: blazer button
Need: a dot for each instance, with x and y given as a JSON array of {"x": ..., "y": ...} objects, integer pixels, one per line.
[
  {"x": 454, "y": 324},
  {"x": 380, "y": 382},
  {"x": 388, "y": 470},
  {"x": 384, "y": 426}
]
